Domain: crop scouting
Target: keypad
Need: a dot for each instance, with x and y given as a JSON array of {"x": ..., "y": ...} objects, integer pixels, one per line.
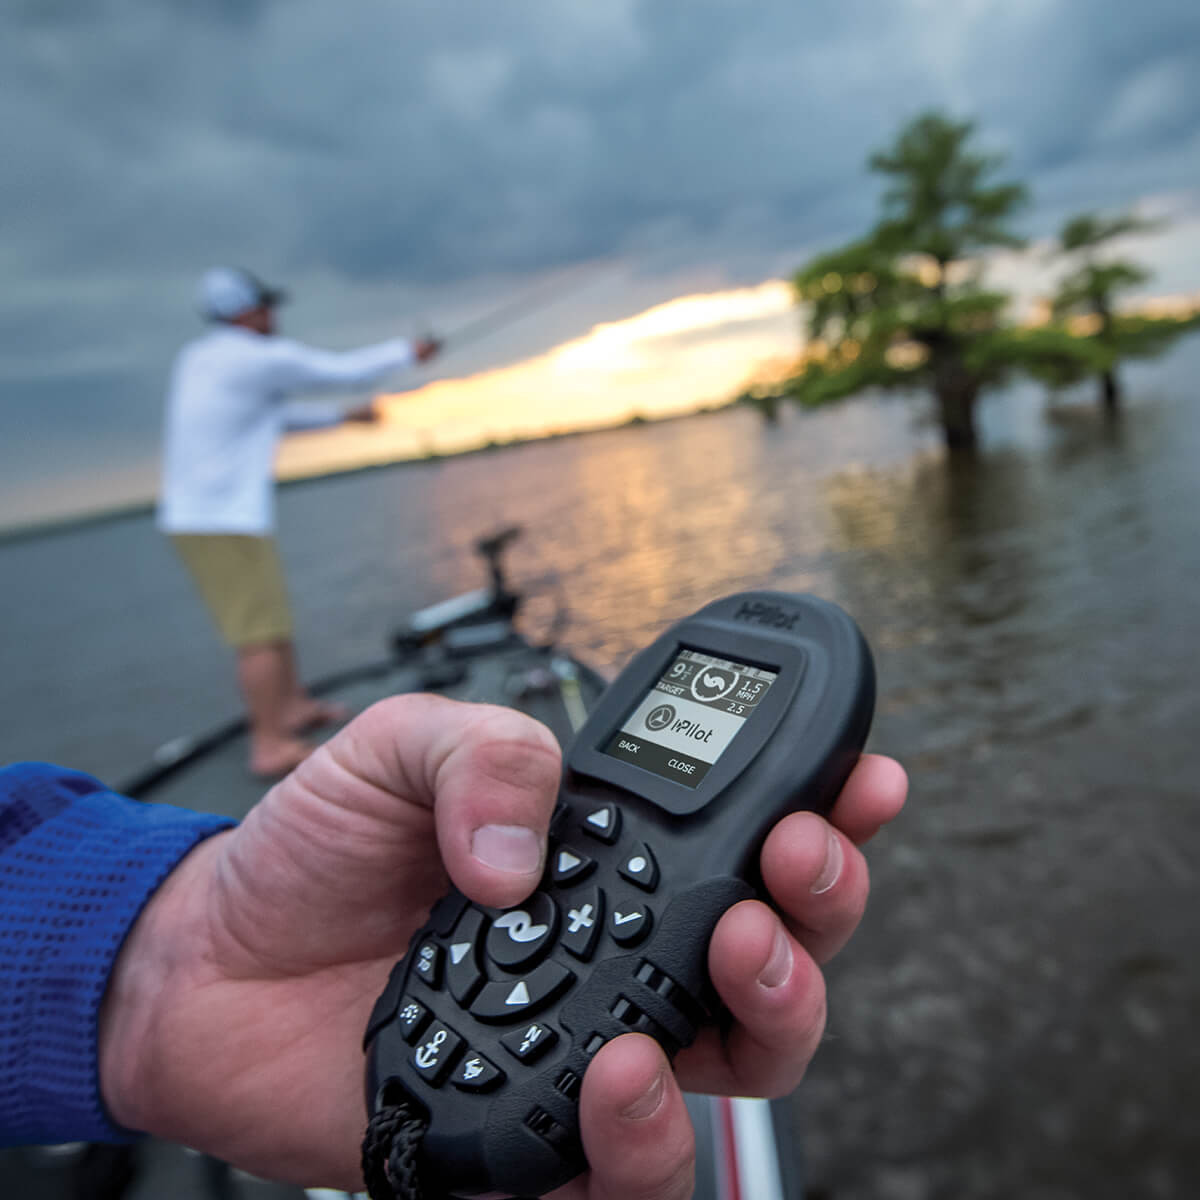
[{"x": 505, "y": 967}]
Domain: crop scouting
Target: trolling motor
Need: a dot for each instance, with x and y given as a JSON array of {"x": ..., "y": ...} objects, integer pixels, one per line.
[{"x": 464, "y": 625}]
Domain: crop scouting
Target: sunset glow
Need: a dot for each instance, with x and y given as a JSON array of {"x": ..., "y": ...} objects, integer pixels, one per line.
[{"x": 689, "y": 353}]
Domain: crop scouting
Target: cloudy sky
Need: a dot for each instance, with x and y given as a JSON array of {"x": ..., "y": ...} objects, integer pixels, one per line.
[{"x": 405, "y": 162}]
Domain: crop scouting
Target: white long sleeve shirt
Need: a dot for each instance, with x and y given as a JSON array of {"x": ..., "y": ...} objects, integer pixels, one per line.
[{"x": 227, "y": 407}]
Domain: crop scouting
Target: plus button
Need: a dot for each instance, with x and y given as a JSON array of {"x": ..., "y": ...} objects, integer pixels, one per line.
[
  {"x": 583, "y": 924},
  {"x": 581, "y": 918}
]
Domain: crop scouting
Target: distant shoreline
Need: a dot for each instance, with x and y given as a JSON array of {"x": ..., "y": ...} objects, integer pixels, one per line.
[{"x": 142, "y": 508}]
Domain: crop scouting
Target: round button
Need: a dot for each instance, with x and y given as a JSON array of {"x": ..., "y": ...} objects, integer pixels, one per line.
[{"x": 521, "y": 935}]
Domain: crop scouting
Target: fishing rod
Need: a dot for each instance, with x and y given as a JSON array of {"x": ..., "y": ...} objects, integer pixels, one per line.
[{"x": 524, "y": 305}]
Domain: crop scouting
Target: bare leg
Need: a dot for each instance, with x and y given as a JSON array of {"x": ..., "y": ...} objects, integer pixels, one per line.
[
  {"x": 305, "y": 712},
  {"x": 266, "y": 675}
]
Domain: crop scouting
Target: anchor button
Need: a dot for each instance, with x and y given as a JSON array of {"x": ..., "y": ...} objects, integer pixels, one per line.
[{"x": 438, "y": 1047}]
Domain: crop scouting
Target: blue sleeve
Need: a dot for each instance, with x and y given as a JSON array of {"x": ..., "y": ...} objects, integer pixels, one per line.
[{"x": 77, "y": 864}]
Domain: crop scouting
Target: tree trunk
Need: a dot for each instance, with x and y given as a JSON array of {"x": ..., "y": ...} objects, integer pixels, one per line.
[
  {"x": 1110, "y": 389},
  {"x": 956, "y": 390},
  {"x": 1110, "y": 393}
]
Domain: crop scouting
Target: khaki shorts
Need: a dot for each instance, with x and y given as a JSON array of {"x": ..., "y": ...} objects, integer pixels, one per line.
[{"x": 241, "y": 582}]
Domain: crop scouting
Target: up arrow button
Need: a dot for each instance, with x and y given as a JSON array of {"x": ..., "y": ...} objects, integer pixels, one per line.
[{"x": 603, "y": 823}]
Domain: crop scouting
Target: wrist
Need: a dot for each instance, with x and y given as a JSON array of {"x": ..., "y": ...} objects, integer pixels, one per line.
[{"x": 161, "y": 954}]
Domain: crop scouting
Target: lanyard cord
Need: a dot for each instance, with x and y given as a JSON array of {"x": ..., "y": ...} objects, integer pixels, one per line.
[{"x": 389, "y": 1155}]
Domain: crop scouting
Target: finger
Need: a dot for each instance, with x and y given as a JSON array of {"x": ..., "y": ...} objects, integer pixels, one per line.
[
  {"x": 489, "y": 775},
  {"x": 874, "y": 795},
  {"x": 776, "y": 995},
  {"x": 819, "y": 881},
  {"x": 636, "y": 1131},
  {"x": 496, "y": 791}
]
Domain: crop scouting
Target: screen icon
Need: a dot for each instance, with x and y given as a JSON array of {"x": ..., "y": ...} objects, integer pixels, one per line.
[{"x": 660, "y": 717}]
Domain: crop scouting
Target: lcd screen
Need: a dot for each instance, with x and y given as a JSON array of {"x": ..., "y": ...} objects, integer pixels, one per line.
[{"x": 683, "y": 725}]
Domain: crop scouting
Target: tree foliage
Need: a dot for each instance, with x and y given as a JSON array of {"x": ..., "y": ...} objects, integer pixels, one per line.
[
  {"x": 1088, "y": 299},
  {"x": 905, "y": 306}
]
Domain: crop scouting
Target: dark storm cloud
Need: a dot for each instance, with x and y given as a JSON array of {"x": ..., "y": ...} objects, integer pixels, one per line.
[
  {"x": 353, "y": 148},
  {"x": 435, "y": 142}
]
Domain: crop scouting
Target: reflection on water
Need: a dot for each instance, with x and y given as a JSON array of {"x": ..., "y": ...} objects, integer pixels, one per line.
[{"x": 1016, "y": 1017}]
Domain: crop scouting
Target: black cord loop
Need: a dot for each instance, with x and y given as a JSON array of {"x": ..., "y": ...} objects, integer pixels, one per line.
[{"x": 389, "y": 1155}]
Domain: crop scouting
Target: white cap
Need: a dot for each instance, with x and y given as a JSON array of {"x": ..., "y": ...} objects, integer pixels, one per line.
[{"x": 227, "y": 292}]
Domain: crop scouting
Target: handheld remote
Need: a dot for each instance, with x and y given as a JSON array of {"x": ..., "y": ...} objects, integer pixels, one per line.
[{"x": 756, "y": 706}]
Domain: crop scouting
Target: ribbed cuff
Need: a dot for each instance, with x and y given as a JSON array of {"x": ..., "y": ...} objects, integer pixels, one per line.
[{"x": 71, "y": 888}]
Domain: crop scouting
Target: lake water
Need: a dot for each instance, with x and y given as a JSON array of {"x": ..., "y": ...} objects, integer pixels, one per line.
[{"x": 1017, "y": 1014}]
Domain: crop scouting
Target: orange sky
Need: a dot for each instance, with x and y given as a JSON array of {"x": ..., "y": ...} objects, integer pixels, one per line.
[{"x": 688, "y": 353}]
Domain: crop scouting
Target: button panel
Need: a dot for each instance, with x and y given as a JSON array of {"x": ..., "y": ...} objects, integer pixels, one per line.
[{"x": 505, "y": 967}]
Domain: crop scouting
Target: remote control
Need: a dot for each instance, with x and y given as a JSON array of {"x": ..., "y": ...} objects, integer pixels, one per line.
[{"x": 756, "y": 706}]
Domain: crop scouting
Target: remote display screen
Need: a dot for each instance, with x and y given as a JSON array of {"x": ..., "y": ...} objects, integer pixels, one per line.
[{"x": 688, "y": 718}]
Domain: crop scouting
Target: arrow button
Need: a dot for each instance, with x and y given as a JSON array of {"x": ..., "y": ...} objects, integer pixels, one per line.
[
  {"x": 463, "y": 976},
  {"x": 508, "y": 1001},
  {"x": 603, "y": 823},
  {"x": 568, "y": 865}
]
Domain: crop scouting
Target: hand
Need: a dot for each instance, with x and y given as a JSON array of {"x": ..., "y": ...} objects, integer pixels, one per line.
[
  {"x": 425, "y": 348},
  {"x": 367, "y": 413},
  {"x": 234, "y": 1017}
]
